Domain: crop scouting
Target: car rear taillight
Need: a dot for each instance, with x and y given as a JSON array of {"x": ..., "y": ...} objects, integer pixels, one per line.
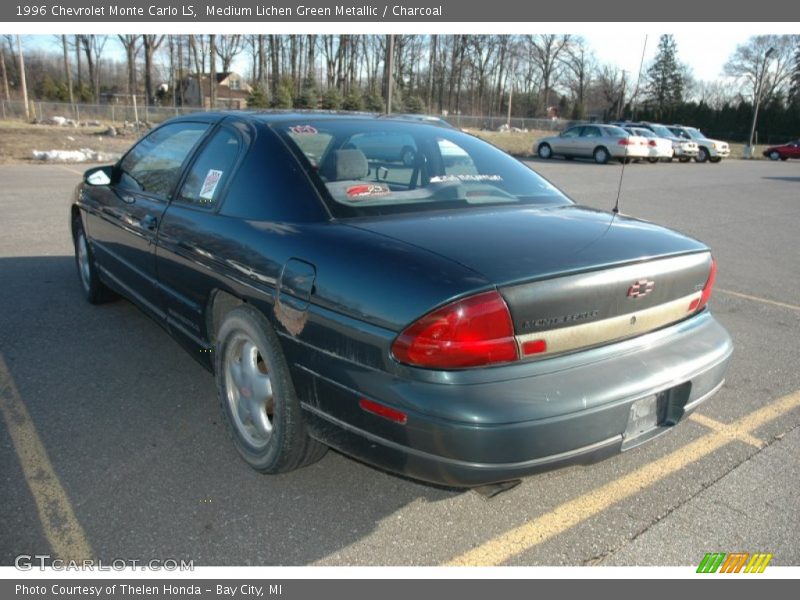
[
  {"x": 698, "y": 304},
  {"x": 472, "y": 332},
  {"x": 652, "y": 143},
  {"x": 624, "y": 142}
]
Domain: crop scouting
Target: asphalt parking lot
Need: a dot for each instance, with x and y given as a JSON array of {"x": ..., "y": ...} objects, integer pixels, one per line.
[{"x": 111, "y": 445}]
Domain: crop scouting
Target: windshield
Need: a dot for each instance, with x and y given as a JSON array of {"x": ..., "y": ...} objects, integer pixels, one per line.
[
  {"x": 372, "y": 167},
  {"x": 662, "y": 131},
  {"x": 696, "y": 134}
]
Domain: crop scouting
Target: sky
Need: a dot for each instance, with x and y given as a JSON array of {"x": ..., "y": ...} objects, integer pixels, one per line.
[{"x": 705, "y": 55}]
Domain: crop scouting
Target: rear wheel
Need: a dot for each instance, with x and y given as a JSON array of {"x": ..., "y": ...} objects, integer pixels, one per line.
[
  {"x": 257, "y": 397},
  {"x": 715, "y": 159},
  {"x": 601, "y": 155},
  {"x": 652, "y": 160},
  {"x": 545, "y": 151},
  {"x": 702, "y": 155},
  {"x": 774, "y": 155}
]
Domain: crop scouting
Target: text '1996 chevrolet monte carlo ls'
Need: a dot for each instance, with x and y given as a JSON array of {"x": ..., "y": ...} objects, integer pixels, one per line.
[{"x": 402, "y": 292}]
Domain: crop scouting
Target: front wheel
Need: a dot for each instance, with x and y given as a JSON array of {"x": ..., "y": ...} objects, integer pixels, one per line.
[
  {"x": 652, "y": 160},
  {"x": 774, "y": 155},
  {"x": 545, "y": 151},
  {"x": 684, "y": 159},
  {"x": 257, "y": 397},
  {"x": 94, "y": 290},
  {"x": 601, "y": 155},
  {"x": 715, "y": 159},
  {"x": 702, "y": 155}
]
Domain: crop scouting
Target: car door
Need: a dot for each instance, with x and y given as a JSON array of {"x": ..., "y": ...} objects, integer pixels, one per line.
[
  {"x": 125, "y": 225},
  {"x": 191, "y": 238},
  {"x": 793, "y": 151},
  {"x": 566, "y": 142},
  {"x": 587, "y": 141}
]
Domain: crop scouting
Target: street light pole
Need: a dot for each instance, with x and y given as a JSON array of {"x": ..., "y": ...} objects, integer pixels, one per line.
[{"x": 759, "y": 87}]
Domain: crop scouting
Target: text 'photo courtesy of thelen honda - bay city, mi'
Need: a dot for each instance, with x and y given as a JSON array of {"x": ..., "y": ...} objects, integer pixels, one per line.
[{"x": 400, "y": 291}]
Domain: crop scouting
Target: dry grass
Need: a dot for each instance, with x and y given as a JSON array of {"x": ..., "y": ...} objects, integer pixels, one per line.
[
  {"x": 18, "y": 140},
  {"x": 516, "y": 144}
]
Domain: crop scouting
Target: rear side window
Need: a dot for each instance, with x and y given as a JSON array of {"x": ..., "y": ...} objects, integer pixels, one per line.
[
  {"x": 212, "y": 169},
  {"x": 154, "y": 164}
]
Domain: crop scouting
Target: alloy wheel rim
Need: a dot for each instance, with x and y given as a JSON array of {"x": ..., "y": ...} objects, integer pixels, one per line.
[
  {"x": 83, "y": 262},
  {"x": 248, "y": 390}
]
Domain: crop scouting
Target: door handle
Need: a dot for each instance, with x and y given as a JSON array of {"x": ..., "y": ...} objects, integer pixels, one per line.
[
  {"x": 128, "y": 199},
  {"x": 149, "y": 222}
]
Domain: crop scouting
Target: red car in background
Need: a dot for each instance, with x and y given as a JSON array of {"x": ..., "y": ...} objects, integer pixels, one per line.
[{"x": 788, "y": 150}]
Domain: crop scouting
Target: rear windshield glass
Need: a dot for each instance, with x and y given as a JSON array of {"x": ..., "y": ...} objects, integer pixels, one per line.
[
  {"x": 368, "y": 167},
  {"x": 662, "y": 131}
]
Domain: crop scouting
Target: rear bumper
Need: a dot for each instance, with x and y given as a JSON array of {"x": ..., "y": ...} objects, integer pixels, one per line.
[{"x": 465, "y": 431}]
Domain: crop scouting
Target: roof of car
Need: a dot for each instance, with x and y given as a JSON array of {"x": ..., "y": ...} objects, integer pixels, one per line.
[{"x": 280, "y": 116}]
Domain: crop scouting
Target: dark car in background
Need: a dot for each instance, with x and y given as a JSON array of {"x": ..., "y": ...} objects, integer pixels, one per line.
[
  {"x": 457, "y": 321},
  {"x": 784, "y": 151}
]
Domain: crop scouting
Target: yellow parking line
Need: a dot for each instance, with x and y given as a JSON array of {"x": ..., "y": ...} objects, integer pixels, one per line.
[
  {"x": 732, "y": 431},
  {"x": 758, "y": 299},
  {"x": 59, "y": 523},
  {"x": 520, "y": 539}
]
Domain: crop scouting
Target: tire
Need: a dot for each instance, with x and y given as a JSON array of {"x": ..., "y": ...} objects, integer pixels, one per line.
[
  {"x": 715, "y": 159},
  {"x": 257, "y": 397},
  {"x": 601, "y": 155},
  {"x": 702, "y": 155},
  {"x": 774, "y": 155},
  {"x": 407, "y": 156},
  {"x": 684, "y": 159},
  {"x": 652, "y": 160},
  {"x": 94, "y": 290},
  {"x": 784, "y": 158},
  {"x": 544, "y": 151}
]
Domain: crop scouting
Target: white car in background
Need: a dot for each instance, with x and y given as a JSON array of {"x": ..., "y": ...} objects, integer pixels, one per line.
[
  {"x": 707, "y": 149},
  {"x": 660, "y": 148},
  {"x": 601, "y": 142}
]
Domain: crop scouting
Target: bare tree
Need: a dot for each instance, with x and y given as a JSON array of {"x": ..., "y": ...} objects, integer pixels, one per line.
[
  {"x": 212, "y": 74},
  {"x": 150, "y": 43},
  {"x": 227, "y": 48},
  {"x": 93, "y": 49},
  {"x": 579, "y": 63},
  {"x": 749, "y": 62},
  {"x": 67, "y": 71},
  {"x": 545, "y": 51},
  {"x": 132, "y": 44}
]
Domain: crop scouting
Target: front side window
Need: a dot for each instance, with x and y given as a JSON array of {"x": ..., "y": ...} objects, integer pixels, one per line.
[
  {"x": 572, "y": 132},
  {"x": 374, "y": 167},
  {"x": 154, "y": 164}
]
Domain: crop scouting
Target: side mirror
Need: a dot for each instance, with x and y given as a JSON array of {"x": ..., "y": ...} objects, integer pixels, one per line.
[{"x": 98, "y": 176}]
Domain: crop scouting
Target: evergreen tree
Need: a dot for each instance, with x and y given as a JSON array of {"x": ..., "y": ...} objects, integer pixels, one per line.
[
  {"x": 373, "y": 102},
  {"x": 332, "y": 99},
  {"x": 282, "y": 98},
  {"x": 308, "y": 97},
  {"x": 257, "y": 98},
  {"x": 665, "y": 80},
  {"x": 353, "y": 100},
  {"x": 415, "y": 105}
]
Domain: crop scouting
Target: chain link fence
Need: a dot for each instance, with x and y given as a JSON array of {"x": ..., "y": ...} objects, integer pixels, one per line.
[
  {"x": 116, "y": 113},
  {"x": 112, "y": 113}
]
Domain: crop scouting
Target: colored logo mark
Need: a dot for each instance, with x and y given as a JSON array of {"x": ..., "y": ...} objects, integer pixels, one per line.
[{"x": 735, "y": 562}]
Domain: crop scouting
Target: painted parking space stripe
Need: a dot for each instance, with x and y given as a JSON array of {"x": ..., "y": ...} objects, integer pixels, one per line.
[
  {"x": 757, "y": 299},
  {"x": 732, "y": 431},
  {"x": 505, "y": 546},
  {"x": 56, "y": 515}
]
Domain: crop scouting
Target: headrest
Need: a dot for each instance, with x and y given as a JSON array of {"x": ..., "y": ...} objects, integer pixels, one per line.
[{"x": 350, "y": 164}]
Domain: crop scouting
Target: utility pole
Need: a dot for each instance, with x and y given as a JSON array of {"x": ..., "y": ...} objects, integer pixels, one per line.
[
  {"x": 749, "y": 149},
  {"x": 23, "y": 84},
  {"x": 68, "y": 72},
  {"x": 389, "y": 74}
]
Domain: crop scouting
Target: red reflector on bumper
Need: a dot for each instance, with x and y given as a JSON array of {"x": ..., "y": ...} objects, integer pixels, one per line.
[
  {"x": 383, "y": 411},
  {"x": 534, "y": 347}
]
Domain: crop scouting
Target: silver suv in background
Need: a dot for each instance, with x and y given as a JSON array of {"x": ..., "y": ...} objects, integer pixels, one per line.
[{"x": 708, "y": 149}]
